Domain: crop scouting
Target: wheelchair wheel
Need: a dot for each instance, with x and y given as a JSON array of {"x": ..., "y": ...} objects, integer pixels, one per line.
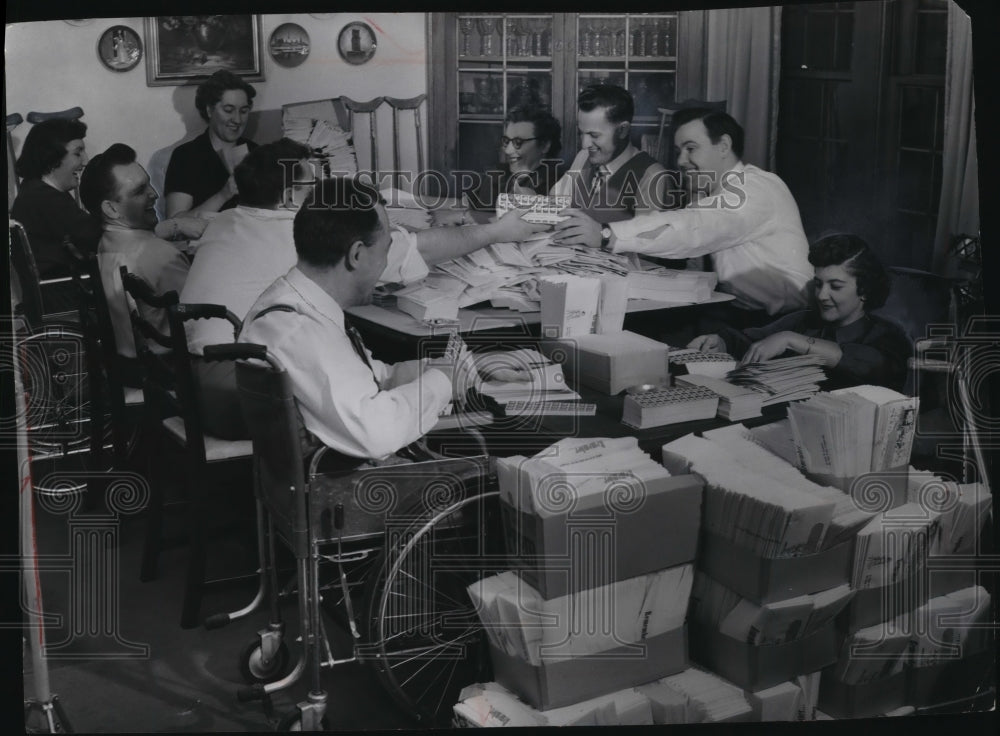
[
  {"x": 425, "y": 639},
  {"x": 255, "y": 670}
]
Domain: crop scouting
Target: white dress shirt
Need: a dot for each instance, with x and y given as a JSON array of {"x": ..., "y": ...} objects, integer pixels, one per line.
[
  {"x": 337, "y": 395},
  {"x": 650, "y": 184},
  {"x": 751, "y": 229},
  {"x": 243, "y": 250},
  {"x": 157, "y": 261}
]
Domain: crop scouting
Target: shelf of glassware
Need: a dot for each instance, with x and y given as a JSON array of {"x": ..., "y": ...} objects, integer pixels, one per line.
[
  {"x": 504, "y": 39},
  {"x": 626, "y": 38}
]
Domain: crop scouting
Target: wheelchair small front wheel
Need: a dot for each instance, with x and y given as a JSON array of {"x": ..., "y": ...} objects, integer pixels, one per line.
[
  {"x": 292, "y": 721},
  {"x": 254, "y": 669}
]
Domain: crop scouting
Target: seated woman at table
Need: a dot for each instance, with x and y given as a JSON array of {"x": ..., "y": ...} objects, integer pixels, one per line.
[
  {"x": 530, "y": 145},
  {"x": 856, "y": 346},
  {"x": 50, "y": 163},
  {"x": 199, "y": 176}
]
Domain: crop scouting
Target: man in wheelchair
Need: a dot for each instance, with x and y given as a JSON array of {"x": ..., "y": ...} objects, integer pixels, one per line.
[{"x": 358, "y": 407}]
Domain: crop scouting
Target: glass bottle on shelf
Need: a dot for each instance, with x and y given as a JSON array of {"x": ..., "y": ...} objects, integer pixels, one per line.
[
  {"x": 486, "y": 27},
  {"x": 654, "y": 37},
  {"x": 619, "y": 45},
  {"x": 465, "y": 25},
  {"x": 586, "y": 41}
]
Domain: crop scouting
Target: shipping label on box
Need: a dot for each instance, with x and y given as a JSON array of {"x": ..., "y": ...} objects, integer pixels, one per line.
[
  {"x": 599, "y": 541},
  {"x": 569, "y": 305}
]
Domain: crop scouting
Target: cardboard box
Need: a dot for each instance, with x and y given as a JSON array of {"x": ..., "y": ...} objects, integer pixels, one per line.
[
  {"x": 871, "y": 606},
  {"x": 862, "y": 700},
  {"x": 564, "y": 682},
  {"x": 758, "y": 667},
  {"x": 950, "y": 680},
  {"x": 869, "y": 487},
  {"x": 611, "y": 362},
  {"x": 560, "y": 553},
  {"x": 763, "y": 580}
]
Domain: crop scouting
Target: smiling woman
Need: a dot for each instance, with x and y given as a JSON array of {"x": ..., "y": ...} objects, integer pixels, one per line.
[
  {"x": 199, "y": 175},
  {"x": 856, "y": 346}
]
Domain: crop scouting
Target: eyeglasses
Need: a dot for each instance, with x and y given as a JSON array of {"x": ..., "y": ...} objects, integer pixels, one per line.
[{"x": 516, "y": 142}]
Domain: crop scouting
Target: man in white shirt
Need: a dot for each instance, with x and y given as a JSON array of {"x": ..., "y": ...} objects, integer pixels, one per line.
[
  {"x": 610, "y": 179},
  {"x": 359, "y": 407},
  {"x": 743, "y": 217},
  {"x": 116, "y": 189}
]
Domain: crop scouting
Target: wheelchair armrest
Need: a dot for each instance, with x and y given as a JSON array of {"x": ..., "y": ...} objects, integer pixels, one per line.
[{"x": 234, "y": 351}]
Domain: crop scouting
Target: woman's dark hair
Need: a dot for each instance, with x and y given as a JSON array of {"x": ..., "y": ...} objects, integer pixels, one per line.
[
  {"x": 45, "y": 146},
  {"x": 857, "y": 258},
  {"x": 547, "y": 128},
  {"x": 264, "y": 174},
  {"x": 339, "y": 212},
  {"x": 211, "y": 90}
]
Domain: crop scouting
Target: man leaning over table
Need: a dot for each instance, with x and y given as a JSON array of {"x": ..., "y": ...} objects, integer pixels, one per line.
[
  {"x": 742, "y": 216},
  {"x": 359, "y": 407}
]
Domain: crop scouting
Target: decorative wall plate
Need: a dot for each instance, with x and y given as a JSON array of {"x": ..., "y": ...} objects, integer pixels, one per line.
[
  {"x": 289, "y": 44},
  {"x": 119, "y": 48},
  {"x": 356, "y": 43}
]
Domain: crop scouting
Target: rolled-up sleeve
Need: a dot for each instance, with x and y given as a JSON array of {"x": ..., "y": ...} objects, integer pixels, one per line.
[{"x": 405, "y": 264}]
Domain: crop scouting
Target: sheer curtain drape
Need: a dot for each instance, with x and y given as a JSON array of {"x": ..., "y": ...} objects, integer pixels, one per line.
[
  {"x": 958, "y": 211},
  {"x": 743, "y": 64}
]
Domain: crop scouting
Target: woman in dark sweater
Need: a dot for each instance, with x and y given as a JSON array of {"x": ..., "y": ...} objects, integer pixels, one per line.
[{"x": 856, "y": 346}]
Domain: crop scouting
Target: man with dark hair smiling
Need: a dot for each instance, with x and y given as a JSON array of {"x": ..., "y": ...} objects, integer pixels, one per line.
[
  {"x": 742, "y": 216},
  {"x": 359, "y": 407},
  {"x": 116, "y": 189}
]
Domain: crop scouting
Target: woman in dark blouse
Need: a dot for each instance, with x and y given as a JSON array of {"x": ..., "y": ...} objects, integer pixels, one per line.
[
  {"x": 857, "y": 347},
  {"x": 199, "y": 176}
]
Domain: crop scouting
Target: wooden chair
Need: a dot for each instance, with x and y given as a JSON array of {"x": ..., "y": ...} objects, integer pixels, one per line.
[
  {"x": 397, "y": 104},
  {"x": 171, "y": 393}
]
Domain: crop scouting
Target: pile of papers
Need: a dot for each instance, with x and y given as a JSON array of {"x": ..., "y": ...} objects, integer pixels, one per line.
[
  {"x": 541, "y": 208},
  {"x": 491, "y": 704},
  {"x": 579, "y": 467},
  {"x": 960, "y": 510},
  {"x": 710, "y": 699},
  {"x": 672, "y": 286},
  {"x": 872, "y": 653},
  {"x": 669, "y": 406},
  {"x": 545, "y": 378},
  {"x": 746, "y": 503},
  {"x": 519, "y": 622},
  {"x": 783, "y": 379},
  {"x": 853, "y": 431},
  {"x": 763, "y": 624},
  {"x": 735, "y": 402},
  {"x": 331, "y": 144},
  {"x": 893, "y": 546},
  {"x": 698, "y": 363},
  {"x": 952, "y": 625}
]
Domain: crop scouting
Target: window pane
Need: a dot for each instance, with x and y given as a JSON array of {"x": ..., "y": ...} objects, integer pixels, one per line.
[
  {"x": 480, "y": 93},
  {"x": 932, "y": 34},
  {"x": 650, "y": 91},
  {"x": 915, "y": 186},
  {"x": 479, "y": 145},
  {"x": 917, "y": 117},
  {"x": 820, "y": 51},
  {"x": 527, "y": 88},
  {"x": 793, "y": 31},
  {"x": 845, "y": 41}
]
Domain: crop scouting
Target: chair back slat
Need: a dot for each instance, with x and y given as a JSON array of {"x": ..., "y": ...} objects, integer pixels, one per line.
[{"x": 28, "y": 287}]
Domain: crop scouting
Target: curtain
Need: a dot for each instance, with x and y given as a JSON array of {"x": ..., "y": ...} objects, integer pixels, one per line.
[
  {"x": 743, "y": 64},
  {"x": 958, "y": 211}
]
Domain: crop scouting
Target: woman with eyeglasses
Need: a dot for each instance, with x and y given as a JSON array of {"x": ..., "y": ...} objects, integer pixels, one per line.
[{"x": 529, "y": 149}]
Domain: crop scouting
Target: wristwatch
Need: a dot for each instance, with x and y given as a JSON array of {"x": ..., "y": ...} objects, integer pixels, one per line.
[{"x": 605, "y": 237}]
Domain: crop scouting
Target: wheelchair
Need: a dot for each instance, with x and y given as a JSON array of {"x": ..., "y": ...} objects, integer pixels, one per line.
[{"x": 406, "y": 539}]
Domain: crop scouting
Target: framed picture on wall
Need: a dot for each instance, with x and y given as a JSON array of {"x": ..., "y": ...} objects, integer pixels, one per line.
[{"x": 185, "y": 48}]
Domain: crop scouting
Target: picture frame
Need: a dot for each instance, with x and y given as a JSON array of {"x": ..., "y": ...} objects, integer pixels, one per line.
[
  {"x": 357, "y": 43},
  {"x": 182, "y": 49},
  {"x": 119, "y": 48}
]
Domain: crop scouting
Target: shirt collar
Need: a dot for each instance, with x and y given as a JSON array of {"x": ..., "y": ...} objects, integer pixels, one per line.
[
  {"x": 621, "y": 159},
  {"x": 311, "y": 293}
]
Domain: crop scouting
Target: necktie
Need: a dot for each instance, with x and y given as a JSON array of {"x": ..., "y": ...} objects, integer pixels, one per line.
[
  {"x": 359, "y": 347},
  {"x": 600, "y": 180}
]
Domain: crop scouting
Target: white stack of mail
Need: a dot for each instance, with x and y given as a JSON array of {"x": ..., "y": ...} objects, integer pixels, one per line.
[
  {"x": 764, "y": 624},
  {"x": 961, "y": 510},
  {"x": 669, "y": 406},
  {"x": 580, "y": 467},
  {"x": 893, "y": 547},
  {"x": 327, "y": 142},
  {"x": 745, "y": 503},
  {"x": 432, "y": 298},
  {"x": 541, "y": 208},
  {"x": 519, "y": 622},
  {"x": 735, "y": 402},
  {"x": 672, "y": 286},
  {"x": 873, "y": 653},
  {"x": 853, "y": 431},
  {"x": 699, "y": 363},
  {"x": 784, "y": 379},
  {"x": 545, "y": 380},
  {"x": 952, "y": 625},
  {"x": 710, "y": 699}
]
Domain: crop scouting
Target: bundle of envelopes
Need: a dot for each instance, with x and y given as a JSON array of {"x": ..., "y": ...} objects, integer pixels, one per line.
[
  {"x": 763, "y": 624},
  {"x": 745, "y": 503},
  {"x": 519, "y": 622},
  {"x": 672, "y": 285},
  {"x": 960, "y": 510},
  {"x": 669, "y": 406},
  {"x": 707, "y": 697},
  {"x": 784, "y": 379},
  {"x": 697, "y": 362},
  {"x": 893, "y": 546},
  {"x": 545, "y": 378},
  {"x": 853, "y": 431},
  {"x": 958, "y": 619},
  {"x": 581, "y": 466},
  {"x": 735, "y": 402},
  {"x": 331, "y": 144}
]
